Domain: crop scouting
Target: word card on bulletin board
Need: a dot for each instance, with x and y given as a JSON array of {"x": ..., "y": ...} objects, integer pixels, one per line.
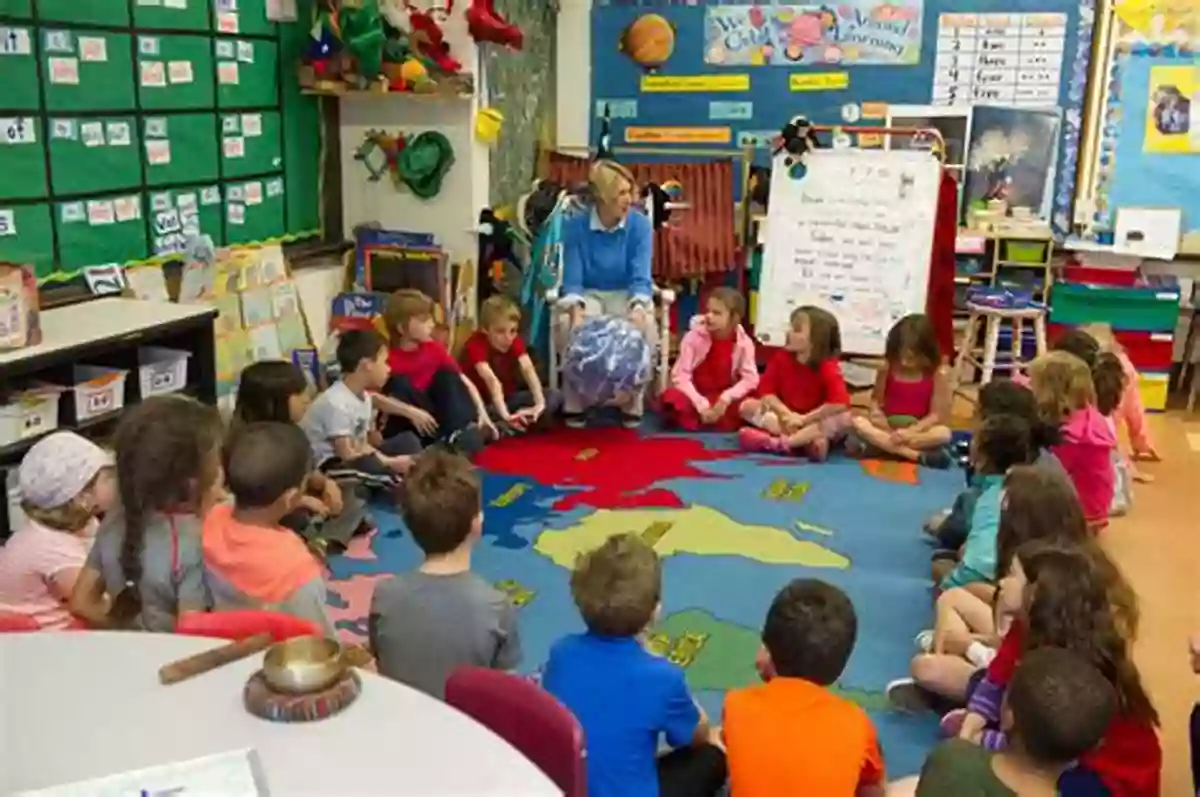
[
  {"x": 1150, "y": 135},
  {"x": 126, "y": 126},
  {"x": 720, "y": 74}
]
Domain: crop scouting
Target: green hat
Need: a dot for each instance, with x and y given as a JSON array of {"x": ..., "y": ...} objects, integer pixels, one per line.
[{"x": 423, "y": 163}]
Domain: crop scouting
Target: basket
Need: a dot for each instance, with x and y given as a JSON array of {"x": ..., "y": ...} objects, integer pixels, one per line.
[
  {"x": 161, "y": 371},
  {"x": 98, "y": 391},
  {"x": 1030, "y": 252},
  {"x": 30, "y": 413}
]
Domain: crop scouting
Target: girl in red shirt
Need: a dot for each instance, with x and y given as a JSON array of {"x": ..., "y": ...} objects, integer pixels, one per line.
[
  {"x": 802, "y": 399},
  {"x": 910, "y": 406},
  {"x": 715, "y": 369},
  {"x": 1074, "y": 597}
]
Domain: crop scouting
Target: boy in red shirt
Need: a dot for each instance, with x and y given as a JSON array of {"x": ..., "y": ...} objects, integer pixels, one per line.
[
  {"x": 495, "y": 360},
  {"x": 427, "y": 393},
  {"x": 803, "y": 402}
]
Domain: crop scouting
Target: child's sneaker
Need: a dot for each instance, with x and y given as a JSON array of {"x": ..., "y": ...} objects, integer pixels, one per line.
[
  {"x": 933, "y": 524},
  {"x": 751, "y": 439},
  {"x": 630, "y": 421},
  {"x": 907, "y": 696},
  {"x": 938, "y": 458},
  {"x": 575, "y": 420}
]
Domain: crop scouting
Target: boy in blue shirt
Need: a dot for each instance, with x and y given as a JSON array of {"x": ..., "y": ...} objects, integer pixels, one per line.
[{"x": 624, "y": 696}]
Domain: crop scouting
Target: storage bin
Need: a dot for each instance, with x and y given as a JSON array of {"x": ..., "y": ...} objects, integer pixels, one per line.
[
  {"x": 1030, "y": 252},
  {"x": 1148, "y": 351},
  {"x": 1153, "y": 388},
  {"x": 161, "y": 370},
  {"x": 1137, "y": 309},
  {"x": 29, "y": 413},
  {"x": 97, "y": 391},
  {"x": 1088, "y": 275}
]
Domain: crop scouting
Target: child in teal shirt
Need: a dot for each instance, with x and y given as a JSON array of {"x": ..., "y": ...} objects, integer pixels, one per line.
[{"x": 1002, "y": 442}]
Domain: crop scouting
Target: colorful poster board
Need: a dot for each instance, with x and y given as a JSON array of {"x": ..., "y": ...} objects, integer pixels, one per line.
[
  {"x": 1150, "y": 136},
  {"x": 718, "y": 74},
  {"x": 111, "y": 106}
]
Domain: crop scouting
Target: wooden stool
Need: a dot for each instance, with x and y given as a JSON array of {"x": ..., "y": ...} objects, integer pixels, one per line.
[{"x": 994, "y": 317}]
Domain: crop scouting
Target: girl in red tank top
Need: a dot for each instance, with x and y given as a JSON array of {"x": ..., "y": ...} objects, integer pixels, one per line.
[{"x": 910, "y": 406}]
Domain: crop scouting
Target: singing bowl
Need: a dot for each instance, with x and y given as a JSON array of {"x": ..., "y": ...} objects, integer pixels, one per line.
[{"x": 305, "y": 664}]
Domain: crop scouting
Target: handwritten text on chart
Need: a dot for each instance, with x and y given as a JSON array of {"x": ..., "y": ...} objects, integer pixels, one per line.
[
  {"x": 690, "y": 83},
  {"x": 678, "y": 135},
  {"x": 1014, "y": 59}
]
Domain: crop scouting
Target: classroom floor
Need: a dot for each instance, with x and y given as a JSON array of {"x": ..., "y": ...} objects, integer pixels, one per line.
[{"x": 1158, "y": 545}]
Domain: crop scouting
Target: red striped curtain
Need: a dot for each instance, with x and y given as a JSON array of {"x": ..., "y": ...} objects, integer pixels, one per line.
[{"x": 698, "y": 240}]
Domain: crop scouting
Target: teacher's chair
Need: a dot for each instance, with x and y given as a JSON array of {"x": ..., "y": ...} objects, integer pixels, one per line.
[{"x": 526, "y": 716}]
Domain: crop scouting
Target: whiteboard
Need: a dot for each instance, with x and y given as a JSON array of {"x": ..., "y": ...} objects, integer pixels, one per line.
[{"x": 853, "y": 235}]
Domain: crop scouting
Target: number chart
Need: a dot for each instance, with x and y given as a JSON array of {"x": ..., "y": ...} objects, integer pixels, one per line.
[{"x": 999, "y": 59}]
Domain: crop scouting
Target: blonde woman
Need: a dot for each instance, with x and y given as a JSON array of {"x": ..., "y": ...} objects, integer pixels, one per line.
[{"x": 606, "y": 268}]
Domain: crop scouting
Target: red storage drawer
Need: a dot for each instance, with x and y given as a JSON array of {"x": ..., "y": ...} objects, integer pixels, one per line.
[
  {"x": 1148, "y": 351},
  {"x": 1090, "y": 275}
]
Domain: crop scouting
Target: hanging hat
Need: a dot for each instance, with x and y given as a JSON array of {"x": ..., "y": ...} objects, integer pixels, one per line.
[{"x": 423, "y": 163}]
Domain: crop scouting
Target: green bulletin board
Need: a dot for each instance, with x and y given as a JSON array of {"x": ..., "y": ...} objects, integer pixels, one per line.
[{"x": 128, "y": 125}]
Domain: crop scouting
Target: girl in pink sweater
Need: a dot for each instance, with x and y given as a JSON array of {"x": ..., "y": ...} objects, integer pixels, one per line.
[
  {"x": 715, "y": 369},
  {"x": 1062, "y": 386},
  {"x": 1129, "y": 409}
]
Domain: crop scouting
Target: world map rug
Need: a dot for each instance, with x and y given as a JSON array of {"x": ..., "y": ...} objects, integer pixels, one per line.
[{"x": 731, "y": 528}]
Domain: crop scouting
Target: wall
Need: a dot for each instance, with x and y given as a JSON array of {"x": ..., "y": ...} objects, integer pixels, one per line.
[
  {"x": 451, "y": 215},
  {"x": 574, "y": 85}
]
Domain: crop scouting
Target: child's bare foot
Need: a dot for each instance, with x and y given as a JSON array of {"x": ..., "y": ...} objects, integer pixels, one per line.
[
  {"x": 751, "y": 439},
  {"x": 818, "y": 449}
]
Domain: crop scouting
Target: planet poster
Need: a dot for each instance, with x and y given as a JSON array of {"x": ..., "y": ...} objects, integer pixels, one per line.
[{"x": 854, "y": 32}]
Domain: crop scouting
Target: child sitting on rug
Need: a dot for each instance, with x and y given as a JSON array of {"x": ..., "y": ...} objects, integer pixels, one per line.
[
  {"x": 495, "y": 360},
  {"x": 64, "y": 480},
  {"x": 1063, "y": 388},
  {"x": 910, "y": 405},
  {"x": 276, "y": 390},
  {"x": 803, "y": 402},
  {"x": 1073, "y": 597},
  {"x": 1108, "y": 378},
  {"x": 715, "y": 369},
  {"x": 339, "y": 422},
  {"x": 424, "y": 624},
  {"x": 251, "y": 561},
  {"x": 624, "y": 696},
  {"x": 1056, "y": 709},
  {"x": 1001, "y": 443},
  {"x": 791, "y": 735},
  {"x": 427, "y": 393},
  {"x": 146, "y": 567}
]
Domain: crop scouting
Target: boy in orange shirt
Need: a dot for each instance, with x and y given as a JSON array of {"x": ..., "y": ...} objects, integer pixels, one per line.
[
  {"x": 495, "y": 359},
  {"x": 427, "y": 393},
  {"x": 791, "y": 735}
]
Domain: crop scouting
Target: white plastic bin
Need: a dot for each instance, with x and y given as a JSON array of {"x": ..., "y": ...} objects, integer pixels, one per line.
[
  {"x": 98, "y": 391},
  {"x": 161, "y": 370},
  {"x": 30, "y": 413}
]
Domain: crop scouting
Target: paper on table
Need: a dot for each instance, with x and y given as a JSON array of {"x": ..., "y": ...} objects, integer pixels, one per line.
[
  {"x": 227, "y": 73},
  {"x": 1148, "y": 232},
  {"x": 233, "y": 774},
  {"x": 72, "y": 212},
  {"x": 245, "y": 52},
  {"x": 254, "y": 193},
  {"x": 233, "y": 146},
  {"x": 237, "y": 214},
  {"x": 92, "y": 134},
  {"x": 227, "y": 22},
  {"x": 118, "y": 134},
  {"x": 252, "y": 124},
  {"x": 100, "y": 212},
  {"x": 147, "y": 283},
  {"x": 63, "y": 128},
  {"x": 22, "y": 130},
  {"x": 156, "y": 127},
  {"x": 148, "y": 45},
  {"x": 127, "y": 208}
]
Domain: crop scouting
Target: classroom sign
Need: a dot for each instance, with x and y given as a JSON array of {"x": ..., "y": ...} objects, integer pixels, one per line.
[{"x": 851, "y": 32}]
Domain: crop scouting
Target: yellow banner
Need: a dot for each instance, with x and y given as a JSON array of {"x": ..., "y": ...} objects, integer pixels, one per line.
[
  {"x": 818, "y": 81},
  {"x": 685, "y": 83},
  {"x": 678, "y": 135}
]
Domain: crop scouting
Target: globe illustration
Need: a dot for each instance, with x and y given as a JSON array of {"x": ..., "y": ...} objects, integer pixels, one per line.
[{"x": 649, "y": 41}]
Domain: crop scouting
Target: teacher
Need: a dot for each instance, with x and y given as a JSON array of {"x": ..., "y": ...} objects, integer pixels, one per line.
[{"x": 606, "y": 270}]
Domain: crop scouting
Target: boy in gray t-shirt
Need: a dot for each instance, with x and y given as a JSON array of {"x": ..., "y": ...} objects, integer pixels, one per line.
[{"x": 424, "y": 625}]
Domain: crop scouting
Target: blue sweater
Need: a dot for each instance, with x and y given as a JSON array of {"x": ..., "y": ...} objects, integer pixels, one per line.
[{"x": 599, "y": 259}]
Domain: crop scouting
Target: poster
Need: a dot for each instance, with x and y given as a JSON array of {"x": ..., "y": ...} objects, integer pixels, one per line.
[
  {"x": 852, "y": 32},
  {"x": 999, "y": 59},
  {"x": 1011, "y": 157},
  {"x": 1171, "y": 125}
]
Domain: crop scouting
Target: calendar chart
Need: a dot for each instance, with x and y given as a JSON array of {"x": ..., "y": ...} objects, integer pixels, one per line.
[{"x": 1003, "y": 59}]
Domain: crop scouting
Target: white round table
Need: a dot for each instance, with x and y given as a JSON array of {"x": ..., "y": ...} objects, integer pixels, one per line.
[{"x": 81, "y": 705}]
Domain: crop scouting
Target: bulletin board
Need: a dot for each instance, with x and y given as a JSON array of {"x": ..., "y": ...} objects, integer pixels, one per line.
[
  {"x": 127, "y": 126},
  {"x": 1149, "y": 154},
  {"x": 716, "y": 74}
]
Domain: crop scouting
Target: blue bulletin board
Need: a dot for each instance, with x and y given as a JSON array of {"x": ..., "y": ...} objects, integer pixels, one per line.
[
  {"x": 697, "y": 75},
  {"x": 1150, "y": 142}
]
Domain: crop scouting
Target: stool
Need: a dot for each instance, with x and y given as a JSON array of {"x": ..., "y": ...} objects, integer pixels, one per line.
[{"x": 994, "y": 317}]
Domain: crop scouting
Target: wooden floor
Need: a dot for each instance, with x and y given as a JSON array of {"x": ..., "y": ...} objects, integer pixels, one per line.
[{"x": 1158, "y": 546}]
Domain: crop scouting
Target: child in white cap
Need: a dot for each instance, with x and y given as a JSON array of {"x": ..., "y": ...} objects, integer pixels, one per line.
[{"x": 64, "y": 480}]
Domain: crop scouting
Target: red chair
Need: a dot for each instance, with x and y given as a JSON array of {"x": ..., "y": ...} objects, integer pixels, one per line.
[
  {"x": 527, "y": 717},
  {"x": 11, "y": 623},
  {"x": 238, "y": 625}
]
